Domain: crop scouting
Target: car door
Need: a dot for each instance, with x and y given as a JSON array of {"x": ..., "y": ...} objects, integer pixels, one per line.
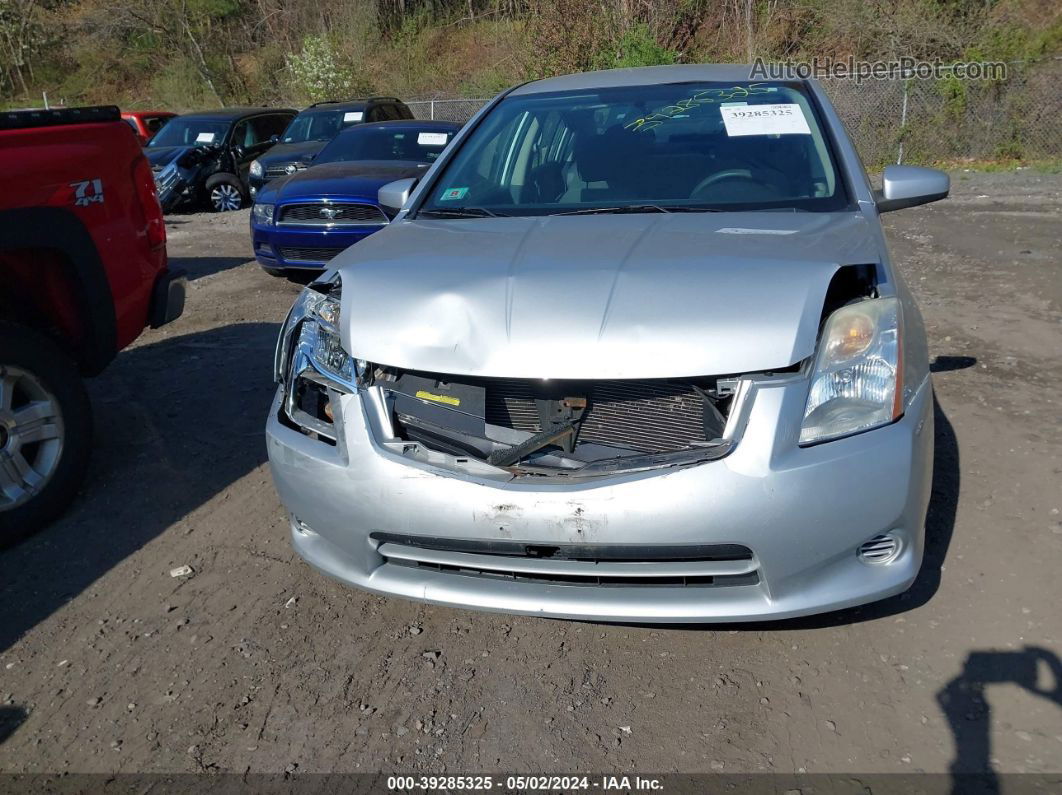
[
  {"x": 250, "y": 138},
  {"x": 275, "y": 125}
]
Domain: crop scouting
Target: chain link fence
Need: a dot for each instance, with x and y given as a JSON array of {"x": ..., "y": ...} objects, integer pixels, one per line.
[
  {"x": 459, "y": 110},
  {"x": 918, "y": 120}
]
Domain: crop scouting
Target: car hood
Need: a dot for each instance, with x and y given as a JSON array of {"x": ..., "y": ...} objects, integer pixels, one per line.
[
  {"x": 362, "y": 178},
  {"x": 164, "y": 155},
  {"x": 288, "y": 153},
  {"x": 605, "y": 296}
]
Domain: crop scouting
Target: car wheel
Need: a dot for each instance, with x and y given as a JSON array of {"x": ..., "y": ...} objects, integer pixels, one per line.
[
  {"x": 224, "y": 193},
  {"x": 278, "y": 272},
  {"x": 45, "y": 432}
]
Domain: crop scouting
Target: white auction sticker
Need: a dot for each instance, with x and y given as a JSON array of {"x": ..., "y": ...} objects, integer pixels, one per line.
[
  {"x": 431, "y": 139},
  {"x": 354, "y": 115},
  {"x": 765, "y": 120},
  {"x": 205, "y": 138}
]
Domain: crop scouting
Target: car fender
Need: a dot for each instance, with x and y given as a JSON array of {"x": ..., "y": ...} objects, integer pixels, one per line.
[{"x": 57, "y": 229}]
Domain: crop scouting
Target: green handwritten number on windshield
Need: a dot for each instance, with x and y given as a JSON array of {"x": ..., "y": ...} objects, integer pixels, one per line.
[{"x": 707, "y": 96}]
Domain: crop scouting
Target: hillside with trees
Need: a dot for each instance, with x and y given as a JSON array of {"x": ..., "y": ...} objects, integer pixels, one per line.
[{"x": 186, "y": 54}]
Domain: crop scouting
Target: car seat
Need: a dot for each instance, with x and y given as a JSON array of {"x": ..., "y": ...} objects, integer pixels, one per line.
[{"x": 615, "y": 157}]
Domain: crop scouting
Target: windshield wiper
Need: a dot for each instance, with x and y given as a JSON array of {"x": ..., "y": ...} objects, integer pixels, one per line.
[
  {"x": 462, "y": 212},
  {"x": 627, "y": 208},
  {"x": 640, "y": 208},
  {"x": 689, "y": 208}
]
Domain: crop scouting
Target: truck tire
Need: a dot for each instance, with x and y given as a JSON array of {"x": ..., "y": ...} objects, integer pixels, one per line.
[
  {"x": 224, "y": 193},
  {"x": 45, "y": 431}
]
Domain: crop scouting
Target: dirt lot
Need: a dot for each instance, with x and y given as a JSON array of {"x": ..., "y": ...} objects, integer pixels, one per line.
[{"x": 255, "y": 663}]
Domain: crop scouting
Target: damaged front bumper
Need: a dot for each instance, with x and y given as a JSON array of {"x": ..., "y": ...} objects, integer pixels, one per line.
[{"x": 770, "y": 530}]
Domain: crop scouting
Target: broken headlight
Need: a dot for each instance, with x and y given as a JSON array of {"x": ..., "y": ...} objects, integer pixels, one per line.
[
  {"x": 310, "y": 342},
  {"x": 311, "y": 363},
  {"x": 857, "y": 383}
]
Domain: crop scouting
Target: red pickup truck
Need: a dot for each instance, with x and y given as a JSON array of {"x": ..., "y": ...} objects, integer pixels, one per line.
[{"x": 83, "y": 270}]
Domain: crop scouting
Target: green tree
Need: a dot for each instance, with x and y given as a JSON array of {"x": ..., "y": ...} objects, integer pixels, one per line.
[
  {"x": 636, "y": 47},
  {"x": 316, "y": 71}
]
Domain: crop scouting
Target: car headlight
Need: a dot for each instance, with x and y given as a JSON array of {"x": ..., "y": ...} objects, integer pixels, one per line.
[
  {"x": 310, "y": 343},
  {"x": 256, "y": 169},
  {"x": 857, "y": 383},
  {"x": 262, "y": 213}
]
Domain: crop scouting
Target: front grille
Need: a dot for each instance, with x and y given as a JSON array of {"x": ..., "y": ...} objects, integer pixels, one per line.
[
  {"x": 592, "y": 553},
  {"x": 553, "y": 578},
  {"x": 625, "y": 565},
  {"x": 651, "y": 416},
  {"x": 164, "y": 177},
  {"x": 309, "y": 254},
  {"x": 277, "y": 170},
  {"x": 328, "y": 214}
]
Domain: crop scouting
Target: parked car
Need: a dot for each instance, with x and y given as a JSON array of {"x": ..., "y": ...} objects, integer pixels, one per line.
[
  {"x": 82, "y": 271},
  {"x": 202, "y": 159},
  {"x": 633, "y": 350},
  {"x": 146, "y": 123},
  {"x": 302, "y": 220},
  {"x": 316, "y": 126}
]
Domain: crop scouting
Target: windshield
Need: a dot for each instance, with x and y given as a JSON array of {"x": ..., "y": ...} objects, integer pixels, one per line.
[
  {"x": 382, "y": 143},
  {"x": 319, "y": 125},
  {"x": 190, "y": 132},
  {"x": 682, "y": 146}
]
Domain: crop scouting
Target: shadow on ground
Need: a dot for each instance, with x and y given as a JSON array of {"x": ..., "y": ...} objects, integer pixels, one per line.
[
  {"x": 1037, "y": 670},
  {"x": 947, "y": 364},
  {"x": 198, "y": 267},
  {"x": 11, "y": 717},
  {"x": 176, "y": 423}
]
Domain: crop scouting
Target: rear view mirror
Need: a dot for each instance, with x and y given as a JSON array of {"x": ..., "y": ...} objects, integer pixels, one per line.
[
  {"x": 394, "y": 195},
  {"x": 909, "y": 186}
]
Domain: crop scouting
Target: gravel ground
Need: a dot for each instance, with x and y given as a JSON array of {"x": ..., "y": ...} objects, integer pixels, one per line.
[{"x": 255, "y": 663}]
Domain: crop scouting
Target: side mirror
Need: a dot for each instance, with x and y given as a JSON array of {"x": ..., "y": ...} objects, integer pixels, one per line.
[
  {"x": 274, "y": 138},
  {"x": 238, "y": 151},
  {"x": 394, "y": 195},
  {"x": 909, "y": 186}
]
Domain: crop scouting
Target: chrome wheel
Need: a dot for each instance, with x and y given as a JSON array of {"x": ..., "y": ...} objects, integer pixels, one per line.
[
  {"x": 225, "y": 197},
  {"x": 31, "y": 436}
]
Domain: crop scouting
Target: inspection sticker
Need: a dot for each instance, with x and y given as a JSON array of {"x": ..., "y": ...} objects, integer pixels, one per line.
[
  {"x": 353, "y": 115},
  {"x": 205, "y": 138},
  {"x": 765, "y": 120},
  {"x": 452, "y": 401},
  {"x": 453, "y": 194},
  {"x": 431, "y": 139}
]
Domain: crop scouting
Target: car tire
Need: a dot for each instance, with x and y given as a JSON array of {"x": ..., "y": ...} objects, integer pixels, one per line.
[
  {"x": 224, "y": 193},
  {"x": 43, "y": 455}
]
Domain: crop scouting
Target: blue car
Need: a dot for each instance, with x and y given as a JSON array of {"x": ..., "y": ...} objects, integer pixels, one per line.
[{"x": 302, "y": 220}]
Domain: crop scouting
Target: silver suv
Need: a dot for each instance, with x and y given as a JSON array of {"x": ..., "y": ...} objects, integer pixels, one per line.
[{"x": 632, "y": 350}]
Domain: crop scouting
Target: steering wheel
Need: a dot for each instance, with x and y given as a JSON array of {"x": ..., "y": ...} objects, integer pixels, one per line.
[{"x": 719, "y": 176}]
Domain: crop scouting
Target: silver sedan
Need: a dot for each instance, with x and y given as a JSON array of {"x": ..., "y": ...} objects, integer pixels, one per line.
[{"x": 633, "y": 349}]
